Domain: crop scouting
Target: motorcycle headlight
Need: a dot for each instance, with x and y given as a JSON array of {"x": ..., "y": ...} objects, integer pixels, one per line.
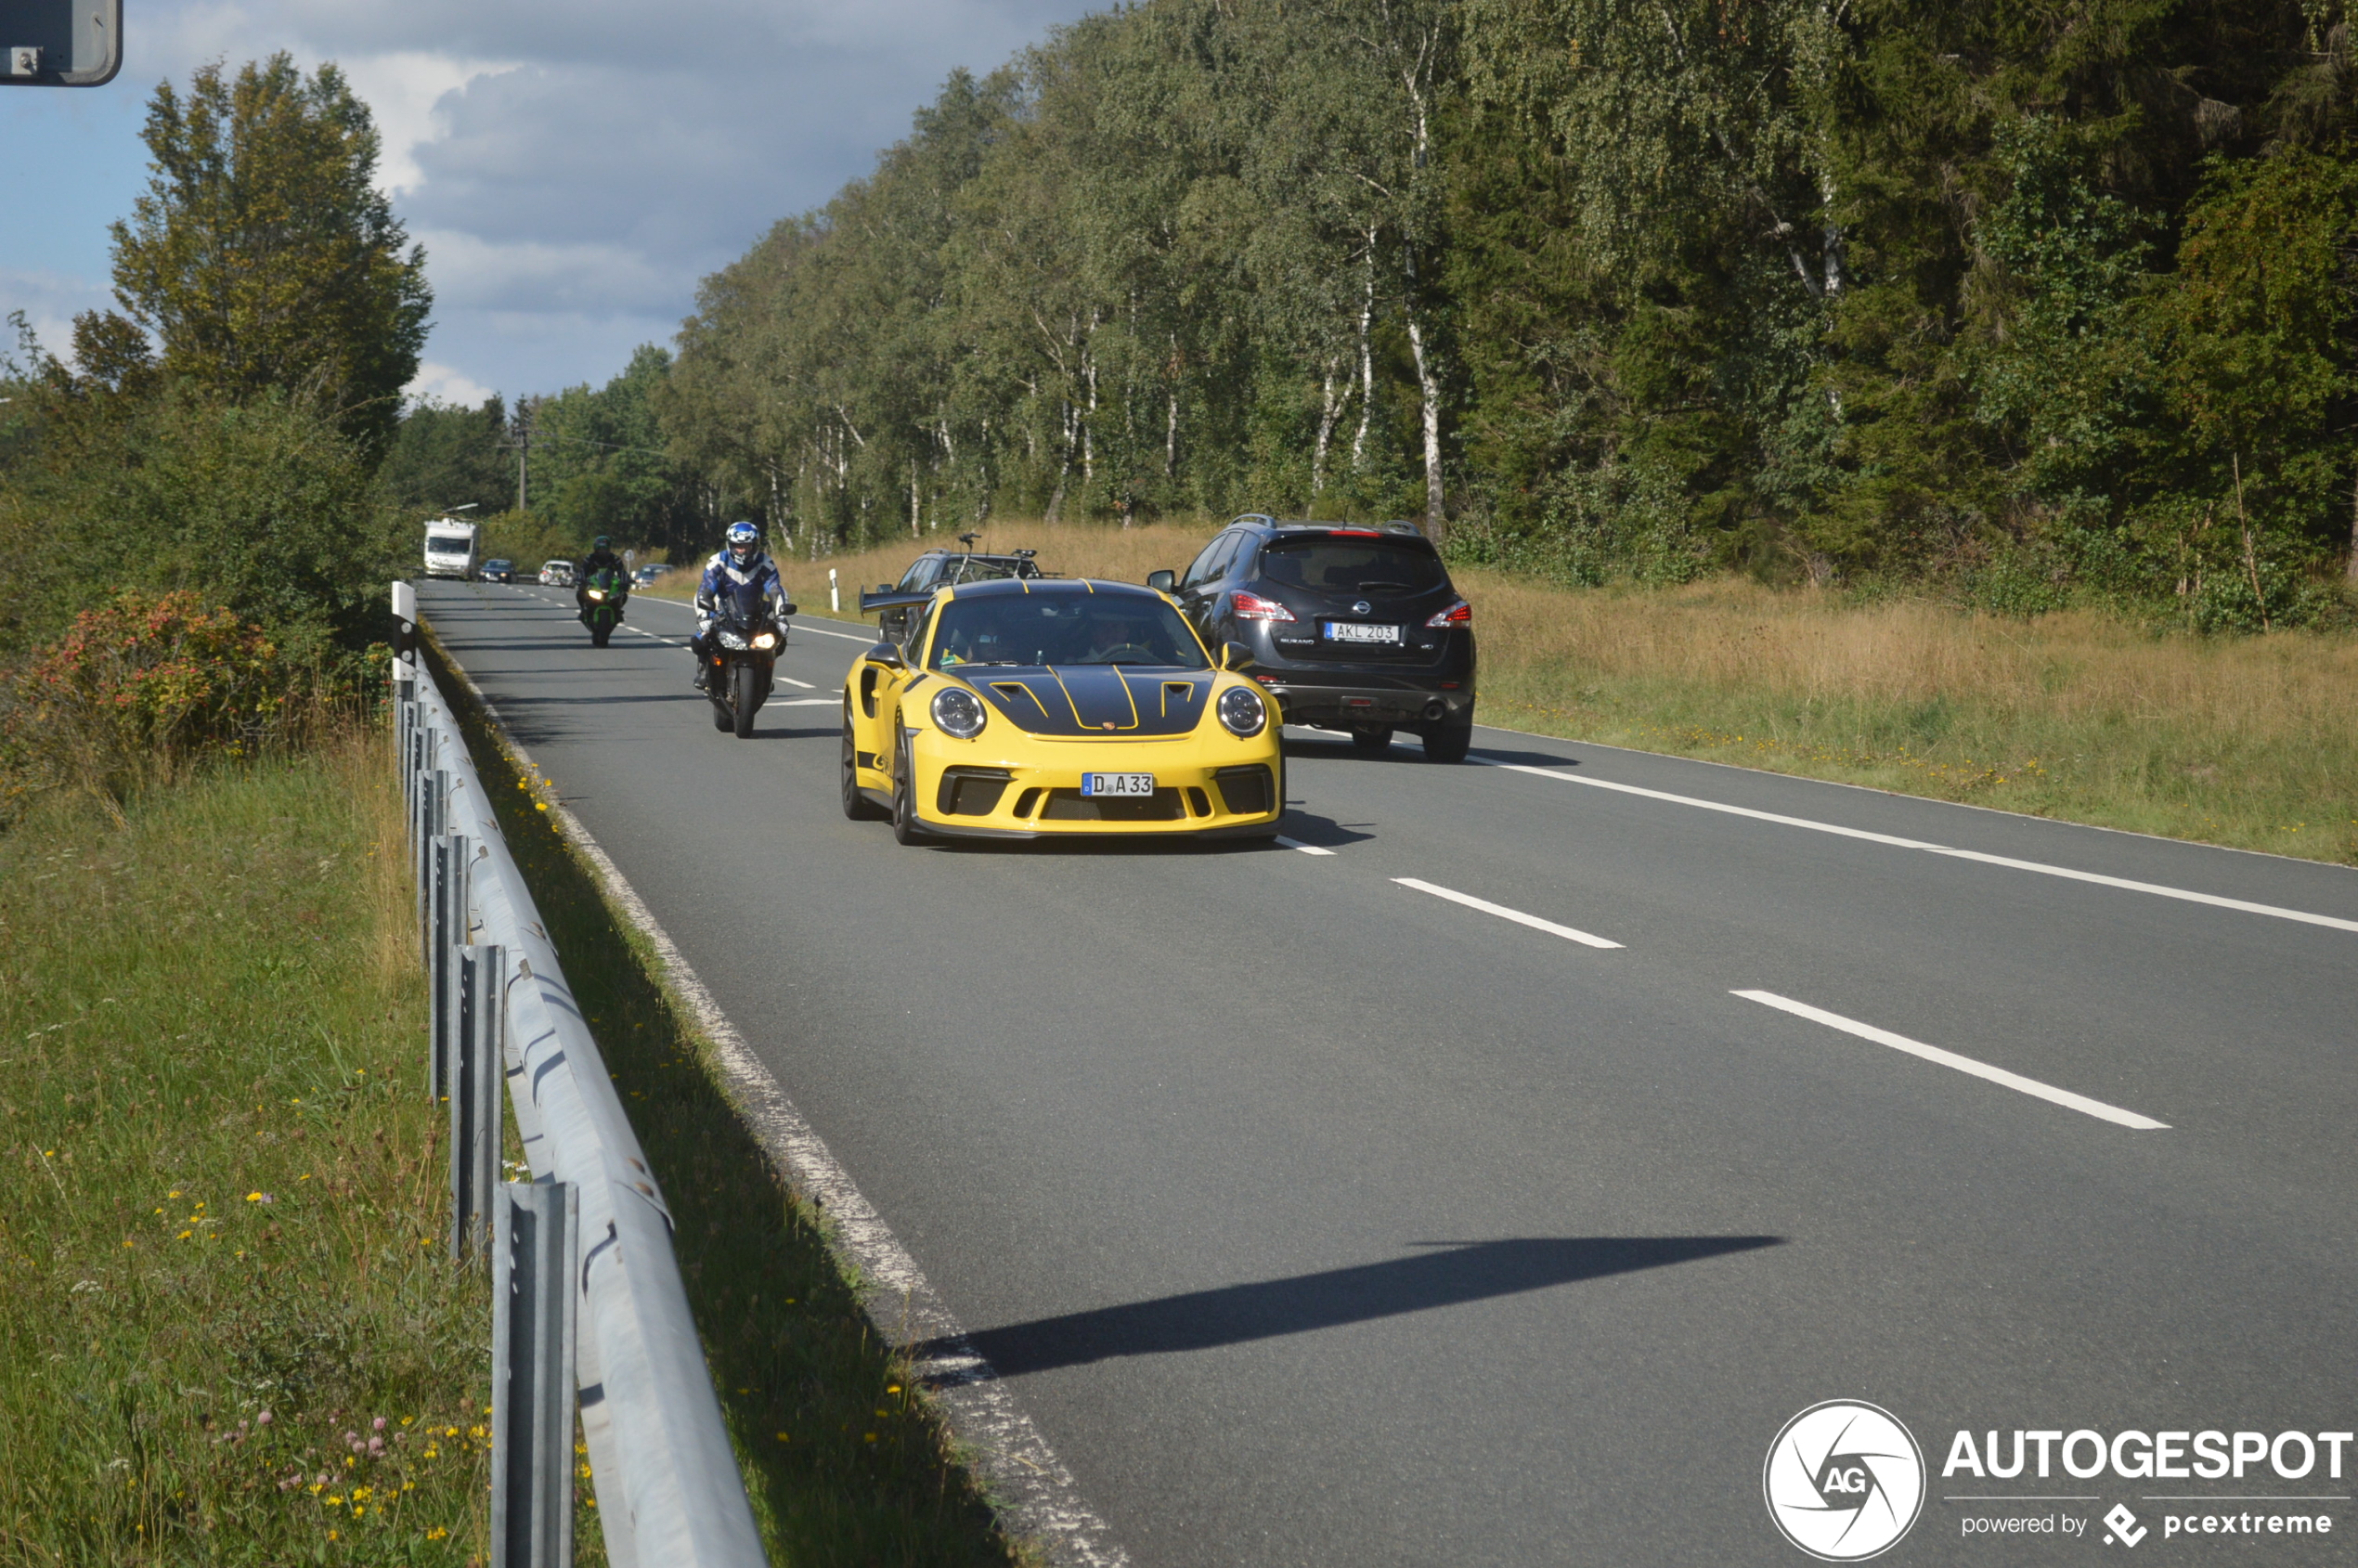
[
  {"x": 731, "y": 639},
  {"x": 598, "y": 593},
  {"x": 764, "y": 640},
  {"x": 959, "y": 712},
  {"x": 1242, "y": 713}
]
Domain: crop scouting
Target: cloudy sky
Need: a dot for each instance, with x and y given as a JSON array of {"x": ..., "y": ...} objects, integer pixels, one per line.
[{"x": 573, "y": 169}]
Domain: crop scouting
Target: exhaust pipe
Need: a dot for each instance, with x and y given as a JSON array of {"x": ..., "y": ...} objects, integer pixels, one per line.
[{"x": 1435, "y": 711}]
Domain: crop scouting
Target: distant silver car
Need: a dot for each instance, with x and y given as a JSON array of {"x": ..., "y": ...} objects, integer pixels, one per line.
[{"x": 556, "y": 573}]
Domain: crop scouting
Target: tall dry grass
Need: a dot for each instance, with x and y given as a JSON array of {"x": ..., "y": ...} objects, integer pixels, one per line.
[{"x": 2251, "y": 741}]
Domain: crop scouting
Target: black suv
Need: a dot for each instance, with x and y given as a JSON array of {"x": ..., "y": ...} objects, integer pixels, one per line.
[
  {"x": 938, "y": 568},
  {"x": 1352, "y": 628}
]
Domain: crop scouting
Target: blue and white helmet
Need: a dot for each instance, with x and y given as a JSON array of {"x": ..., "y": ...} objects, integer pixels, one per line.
[{"x": 743, "y": 540}]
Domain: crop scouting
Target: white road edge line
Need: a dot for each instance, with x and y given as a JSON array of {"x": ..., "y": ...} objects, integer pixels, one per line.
[
  {"x": 2047, "y": 1092},
  {"x": 1045, "y": 1501},
  {"x": 1503, "y": 913},
  {"x": 2157, "y": 889},
  {"x": 799, "y": 626},
  {"x": 1296, "y": 844}
]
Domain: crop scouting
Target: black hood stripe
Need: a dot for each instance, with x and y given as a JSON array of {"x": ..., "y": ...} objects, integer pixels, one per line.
[{"x": 1095, "y": 699}]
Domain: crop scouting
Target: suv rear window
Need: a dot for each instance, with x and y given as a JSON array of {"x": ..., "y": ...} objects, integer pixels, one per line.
[{"x": 1328, "y": 563}]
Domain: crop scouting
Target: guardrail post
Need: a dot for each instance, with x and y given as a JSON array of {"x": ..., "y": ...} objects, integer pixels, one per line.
[
  {"x": 474, "y": 1095},
  {"x": 535, "y": 1239},
  {"x": 446, "y": 933}
]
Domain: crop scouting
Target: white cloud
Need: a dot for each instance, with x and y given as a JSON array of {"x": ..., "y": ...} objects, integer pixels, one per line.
[
  {"x": 440, "y": 384},
  {"x": 575, "y": 169},
  {"x": 50, "y": 301}
]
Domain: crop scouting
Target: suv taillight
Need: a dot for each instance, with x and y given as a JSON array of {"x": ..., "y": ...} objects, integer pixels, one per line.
[
  {"x": 1252, "y": 607},
  {"x": 1459, "y": 614}
]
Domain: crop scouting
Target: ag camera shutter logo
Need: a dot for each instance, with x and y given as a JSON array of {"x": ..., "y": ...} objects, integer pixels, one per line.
[{"x": 1844, "y": 1481}]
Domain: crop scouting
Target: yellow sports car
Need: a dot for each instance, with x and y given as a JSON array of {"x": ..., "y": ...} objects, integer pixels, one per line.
[{"x": 1031, "y": 707}]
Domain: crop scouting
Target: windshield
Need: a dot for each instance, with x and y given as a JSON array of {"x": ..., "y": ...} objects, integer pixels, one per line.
[
  {"x": 1064, "y": 629},
  {"x": 1328, "y": 564}
]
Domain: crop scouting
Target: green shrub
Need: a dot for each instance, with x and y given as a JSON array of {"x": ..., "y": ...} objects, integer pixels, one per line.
[{"x": 139, "y": 687}]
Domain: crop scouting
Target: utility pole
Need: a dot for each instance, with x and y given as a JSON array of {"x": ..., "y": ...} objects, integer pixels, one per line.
[{"x": 524, "y": 452}]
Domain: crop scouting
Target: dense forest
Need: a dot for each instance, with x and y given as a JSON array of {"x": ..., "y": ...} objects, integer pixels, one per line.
[{"x": 2035, "y": 298}]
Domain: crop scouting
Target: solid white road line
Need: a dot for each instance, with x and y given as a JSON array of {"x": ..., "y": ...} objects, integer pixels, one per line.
[
  {"x": 803, "y": 702},
  {"x": 799, "y": 626},
  {"x": 1296, "y": 844},
  {"x": 2047, "y": 1092},
  {"x": 2043, "y": 869},
  {"x": 790, "y": 681},
  {"x": 1503, "y": 913}
]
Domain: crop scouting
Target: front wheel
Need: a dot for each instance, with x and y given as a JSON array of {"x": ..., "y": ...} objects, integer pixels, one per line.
[
  {"x": 905, "y": 827},
  {"x": 856, "y": 806},
  {"x": 747, "y": 683},
  {"x": 598, "y": 635}
]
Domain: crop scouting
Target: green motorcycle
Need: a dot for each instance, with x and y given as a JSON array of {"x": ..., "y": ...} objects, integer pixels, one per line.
[{"x": 602, "y": 601}]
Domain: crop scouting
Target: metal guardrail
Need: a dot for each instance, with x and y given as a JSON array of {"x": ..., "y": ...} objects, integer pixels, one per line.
[{"x": 586, "y": 1290}]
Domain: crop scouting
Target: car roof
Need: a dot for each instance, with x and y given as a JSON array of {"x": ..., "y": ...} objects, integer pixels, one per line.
[
  {"x": 1005, "y": 587},
  {"x": 1397, "y": 527}
]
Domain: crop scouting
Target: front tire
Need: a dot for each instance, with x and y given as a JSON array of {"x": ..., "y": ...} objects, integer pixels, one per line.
[
  {"x": 747, "y": 681},
  {"x": 905, "y": 827},
  {"x": 599, "y": 634},
  {"x": 857, "y": 807}
]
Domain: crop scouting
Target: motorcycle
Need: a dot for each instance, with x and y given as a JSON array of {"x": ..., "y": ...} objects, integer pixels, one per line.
[
  {"x": 603, "y": 602},
  {"x": 744, "y": 646}
]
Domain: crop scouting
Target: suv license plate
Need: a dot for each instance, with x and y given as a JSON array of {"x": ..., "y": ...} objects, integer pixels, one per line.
[
  {"x": 1358, "y": 631},
  {"x": 1116, "y": 784}
]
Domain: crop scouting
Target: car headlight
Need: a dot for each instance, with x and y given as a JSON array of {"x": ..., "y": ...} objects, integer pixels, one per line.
[
  {"x": 959, "y": 712},
  {"x": 1242, "y": 712}
]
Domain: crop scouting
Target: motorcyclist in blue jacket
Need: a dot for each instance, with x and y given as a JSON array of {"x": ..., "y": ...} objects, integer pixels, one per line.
[{"x": 740, "y": 575}]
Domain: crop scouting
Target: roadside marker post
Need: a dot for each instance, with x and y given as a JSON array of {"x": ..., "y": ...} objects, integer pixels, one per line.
[{"x": 535, "y": 1237}]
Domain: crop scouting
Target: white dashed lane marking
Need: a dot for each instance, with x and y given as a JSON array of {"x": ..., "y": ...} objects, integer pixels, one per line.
[
  {"x": 2015, "y": 1081},
  {"x": 1503, "y": 913},
  {"x": 1296, "y": 844}
]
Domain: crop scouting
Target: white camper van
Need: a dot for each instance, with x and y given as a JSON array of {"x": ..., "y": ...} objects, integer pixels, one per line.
[{"x": 450, "y": 547}]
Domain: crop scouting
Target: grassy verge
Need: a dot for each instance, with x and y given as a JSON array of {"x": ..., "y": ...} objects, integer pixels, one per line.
[
  {"x": 227, "y": 1332},
  {"x": 843, "y": 1457},
  {"x": 2251, "y": 741}
]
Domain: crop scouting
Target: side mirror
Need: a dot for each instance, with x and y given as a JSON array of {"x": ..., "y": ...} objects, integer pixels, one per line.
[
  {"x": 887, "y": 655},
  {"x": 1163, "y": 582},
  {"x": 1235, "y": 656},
  {"x": 787, "y": 608}
]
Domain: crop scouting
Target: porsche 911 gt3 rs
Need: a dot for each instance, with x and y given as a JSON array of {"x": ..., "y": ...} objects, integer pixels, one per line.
[{"x": 1033, "y": 708}]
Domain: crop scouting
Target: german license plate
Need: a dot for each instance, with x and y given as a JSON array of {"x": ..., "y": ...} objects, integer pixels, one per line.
[
  {"x": 1116, "y": 784},
  {"x": 1360, "y": 632}
]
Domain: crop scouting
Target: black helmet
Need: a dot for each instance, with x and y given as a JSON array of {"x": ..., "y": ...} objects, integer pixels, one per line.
[{"x": 602, "y": 542}]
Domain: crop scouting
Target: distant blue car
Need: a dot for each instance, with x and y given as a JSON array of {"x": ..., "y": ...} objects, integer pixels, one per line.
[{"x": 498, "y": 571}]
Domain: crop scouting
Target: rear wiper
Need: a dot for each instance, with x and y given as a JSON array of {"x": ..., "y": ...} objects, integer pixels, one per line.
[{"x": 1385, "y": 587}]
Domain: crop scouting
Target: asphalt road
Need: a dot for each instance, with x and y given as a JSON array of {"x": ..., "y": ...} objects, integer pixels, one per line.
[{"x": 1318, "y": 1218}]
